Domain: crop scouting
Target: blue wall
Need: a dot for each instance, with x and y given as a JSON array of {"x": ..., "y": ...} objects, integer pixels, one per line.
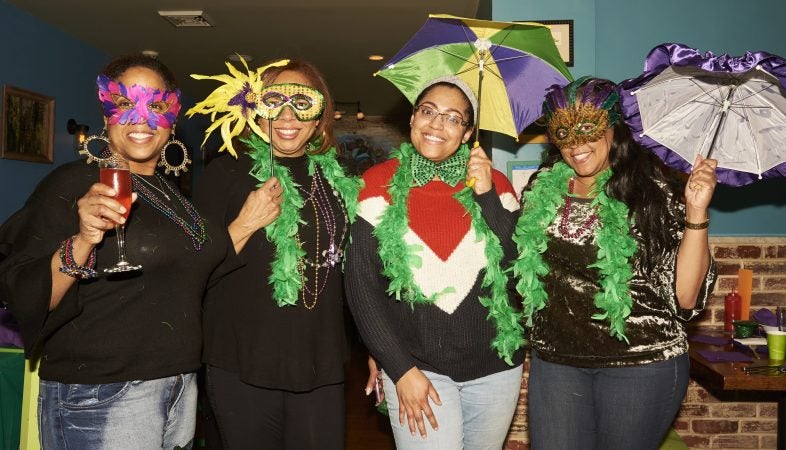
[
  {"x": 611, "y": 40},
  {"x": 43, "y": 59},
  {"x": 37, "y": 57}
]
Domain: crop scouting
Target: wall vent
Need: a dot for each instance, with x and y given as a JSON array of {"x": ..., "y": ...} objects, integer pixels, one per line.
[{"x": 182, "y": 19}]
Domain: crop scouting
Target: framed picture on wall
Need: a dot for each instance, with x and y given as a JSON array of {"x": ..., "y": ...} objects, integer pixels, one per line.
[
  {"x": 27, "y": 128},
  {"x": 519, "y": 173},
  {"x": 562, "y": 32}
]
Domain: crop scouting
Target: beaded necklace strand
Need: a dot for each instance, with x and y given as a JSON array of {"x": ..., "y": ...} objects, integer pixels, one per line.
[
  {"x": 195, "y": 228},
  {"x": 582, "y": 229},
  {"x": 285, "y": 276},
  {"x": 321, "y": 205}
]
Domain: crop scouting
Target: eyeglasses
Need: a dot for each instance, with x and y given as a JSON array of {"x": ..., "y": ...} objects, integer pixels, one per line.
[{"x": 430, "y": 113}]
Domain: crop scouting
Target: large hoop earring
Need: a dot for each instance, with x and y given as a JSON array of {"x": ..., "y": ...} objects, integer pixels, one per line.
[
  {"x": 162, "y": 162},
  {"x": 315, "y": 143},
  {"x": 105, "y": 154}
]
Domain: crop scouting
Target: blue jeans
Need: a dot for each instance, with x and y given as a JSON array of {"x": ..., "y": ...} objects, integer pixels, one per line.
[
  {"x": 474, "y": 415},
  {"x": 150, "y": 414},
  {"x": 617, "y": 408}
]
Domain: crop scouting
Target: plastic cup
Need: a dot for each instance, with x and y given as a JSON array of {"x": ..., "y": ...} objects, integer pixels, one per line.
[{"x": 776, "y": 344}]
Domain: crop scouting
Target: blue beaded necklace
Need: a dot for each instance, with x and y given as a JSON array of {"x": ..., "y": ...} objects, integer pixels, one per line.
[{"x": 195, "y": 229}]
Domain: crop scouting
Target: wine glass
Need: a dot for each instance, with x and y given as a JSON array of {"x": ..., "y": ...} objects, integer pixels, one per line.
[{"x": 115, "y": 173}]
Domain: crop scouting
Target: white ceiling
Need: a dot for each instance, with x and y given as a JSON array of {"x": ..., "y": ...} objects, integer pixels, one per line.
[{"x": 337, "y": 35}]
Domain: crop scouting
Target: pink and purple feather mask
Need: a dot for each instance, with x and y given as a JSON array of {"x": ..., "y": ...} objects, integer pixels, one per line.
[{"x": 137, "y": 104}]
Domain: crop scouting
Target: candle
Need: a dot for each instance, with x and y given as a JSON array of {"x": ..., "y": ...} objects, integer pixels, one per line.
[{"x": 745, "y": 286}]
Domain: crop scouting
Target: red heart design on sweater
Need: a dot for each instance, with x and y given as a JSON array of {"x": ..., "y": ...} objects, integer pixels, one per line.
[{"x": 429, "y": 210}]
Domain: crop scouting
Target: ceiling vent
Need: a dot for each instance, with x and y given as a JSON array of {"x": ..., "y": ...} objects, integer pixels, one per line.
[{"x": 182, "y": 19}]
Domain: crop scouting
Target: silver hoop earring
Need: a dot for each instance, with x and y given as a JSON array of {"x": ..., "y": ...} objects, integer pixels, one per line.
[
  {"x": 162, "y": 162},
  {"x": 105, "y": 153}
]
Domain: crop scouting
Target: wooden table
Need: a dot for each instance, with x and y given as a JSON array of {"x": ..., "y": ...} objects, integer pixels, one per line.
[{"x": 729, "y": 376}]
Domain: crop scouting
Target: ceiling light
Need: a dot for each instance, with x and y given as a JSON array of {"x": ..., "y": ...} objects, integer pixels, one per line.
[
  {"x": 181, "y": 19},
  {"x": 339, "y": 113},
  {"x": 150, "y": 53},
  {"x": 376, "y": 57}
]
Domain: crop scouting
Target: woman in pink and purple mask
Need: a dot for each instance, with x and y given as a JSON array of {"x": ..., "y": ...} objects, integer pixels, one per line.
[{"x": 117, "y": 352}]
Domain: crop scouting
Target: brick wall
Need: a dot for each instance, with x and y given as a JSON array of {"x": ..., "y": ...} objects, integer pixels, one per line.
[{"x": 728, "y": 420}]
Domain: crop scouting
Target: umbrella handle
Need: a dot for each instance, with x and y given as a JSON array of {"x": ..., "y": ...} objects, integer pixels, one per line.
[
  {"x": 722, "y": 119},
  {"x": 471, "y": 182}
]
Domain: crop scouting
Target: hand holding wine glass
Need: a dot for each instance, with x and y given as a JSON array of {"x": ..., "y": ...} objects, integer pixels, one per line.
[{"x": 115, "y": 173}]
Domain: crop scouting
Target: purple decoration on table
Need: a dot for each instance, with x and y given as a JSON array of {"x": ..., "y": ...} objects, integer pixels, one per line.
[
  {"x": 712, "y": 340},
  {"x": 9, "y": 330},
  {"x": 713, "y": 356},
  {"x": 679, "y": 56},
  {"x": 765, "y": 316}
]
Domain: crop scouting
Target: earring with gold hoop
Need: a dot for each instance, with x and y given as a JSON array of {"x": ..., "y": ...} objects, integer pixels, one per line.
[
  {"x": 83, "y": 147},
  {"x": 168, "y": 167}
]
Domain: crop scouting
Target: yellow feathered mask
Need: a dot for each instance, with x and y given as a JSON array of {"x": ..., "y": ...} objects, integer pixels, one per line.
[{"x": 234, "y": 101}]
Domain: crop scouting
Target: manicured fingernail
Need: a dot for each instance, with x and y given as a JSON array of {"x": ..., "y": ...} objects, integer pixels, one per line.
[{"x": 368, "y": 390}]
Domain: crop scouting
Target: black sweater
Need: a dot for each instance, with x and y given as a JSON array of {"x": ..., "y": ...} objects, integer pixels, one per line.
[
  {"x": 143, "y": 325},
  {"x": 451, "y": 337},
  {"x": 290, "y": 348}
]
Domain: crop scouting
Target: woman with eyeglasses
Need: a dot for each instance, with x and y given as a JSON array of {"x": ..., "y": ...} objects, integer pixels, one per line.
[
  {"x": 425, "y": 281},
  {"x": 275, "y": 343}
]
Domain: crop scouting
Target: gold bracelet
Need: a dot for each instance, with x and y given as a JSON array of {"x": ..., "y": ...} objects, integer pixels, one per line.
[{"x": 697, "y": 226}]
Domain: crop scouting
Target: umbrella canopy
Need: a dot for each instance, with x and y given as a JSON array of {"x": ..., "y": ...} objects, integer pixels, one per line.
[
  {"x": 732, "y": 109},
  {"x": 508, "y": 65}
]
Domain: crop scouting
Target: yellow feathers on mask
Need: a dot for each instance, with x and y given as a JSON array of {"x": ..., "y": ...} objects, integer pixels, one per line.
[{"x": 232, "y": 105}]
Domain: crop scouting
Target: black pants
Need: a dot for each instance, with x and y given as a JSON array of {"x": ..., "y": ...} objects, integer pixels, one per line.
[{"x": 250, "y": 417}]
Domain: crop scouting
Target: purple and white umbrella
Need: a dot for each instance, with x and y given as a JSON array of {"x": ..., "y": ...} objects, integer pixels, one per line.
[{"x": 732, "y": 109}]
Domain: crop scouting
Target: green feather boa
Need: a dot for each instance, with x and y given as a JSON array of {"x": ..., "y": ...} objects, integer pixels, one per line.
[
  {"x": 398, "y": 258},
  {"x": 615, "y": 247},
  {"x": 284, "y": 275}
]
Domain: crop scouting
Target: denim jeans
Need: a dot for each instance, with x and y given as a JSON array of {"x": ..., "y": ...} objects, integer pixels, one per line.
[
  {"x": 150, "y": 414},
  {"x": 474, "y": 415},
  {"x": 617, "y": 408}
]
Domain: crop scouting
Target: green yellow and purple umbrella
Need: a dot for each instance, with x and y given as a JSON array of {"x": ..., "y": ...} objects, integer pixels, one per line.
[{"x": 509, "y": 65}]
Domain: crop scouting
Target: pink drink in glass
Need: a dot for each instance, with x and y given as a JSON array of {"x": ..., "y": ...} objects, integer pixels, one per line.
[{"x": 120, "y": 181}]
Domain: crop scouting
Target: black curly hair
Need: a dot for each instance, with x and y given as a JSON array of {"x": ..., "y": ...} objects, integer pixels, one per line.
[{"x": 119, "y": 65}]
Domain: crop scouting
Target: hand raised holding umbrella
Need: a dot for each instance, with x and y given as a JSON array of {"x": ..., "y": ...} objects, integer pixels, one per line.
[
  {"x": 732, "y": 109},
  {"x": 508, "y": 65}
]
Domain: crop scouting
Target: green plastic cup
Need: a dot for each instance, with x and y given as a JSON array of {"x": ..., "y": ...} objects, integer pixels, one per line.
[{"x": 776, "y": 344}]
